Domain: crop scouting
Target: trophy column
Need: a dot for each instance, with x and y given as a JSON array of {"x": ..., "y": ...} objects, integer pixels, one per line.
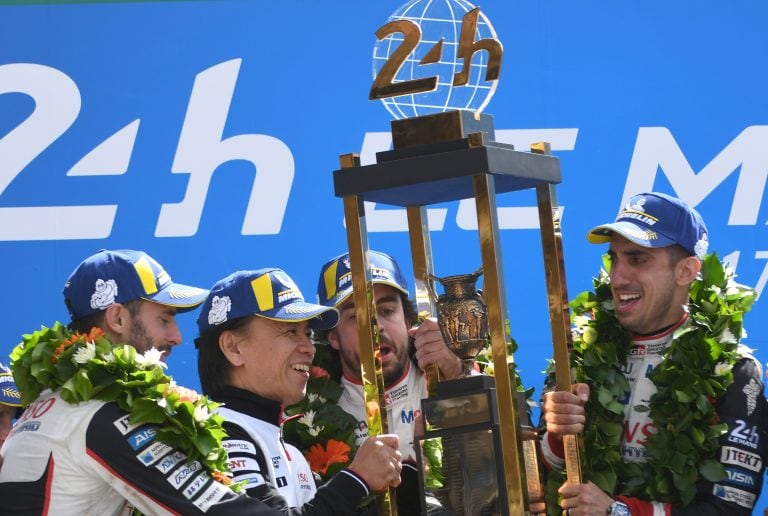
[
  {"x": 444, "y": 157},
  {"x": 367, "y": 331}
]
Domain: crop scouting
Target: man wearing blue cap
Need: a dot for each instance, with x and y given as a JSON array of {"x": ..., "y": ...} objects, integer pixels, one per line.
[
  {"x": 656, "y": 247},
  {"x": 131, "y": 297},
  {"x": 255, "y": 353},
  {"x": 402, "y": 368},
  {"x": 90, "y": 457},
  {"x": 405, "y": 382}
]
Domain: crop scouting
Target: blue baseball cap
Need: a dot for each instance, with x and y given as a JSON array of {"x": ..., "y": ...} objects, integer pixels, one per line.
[
  {"x": 335, "y": 284},
  {"x": 657, "y": 220},
  {"x": 268, "y": 293},
  {"x": 9, "y": 393},
  {"x": 109, "y": 277}
]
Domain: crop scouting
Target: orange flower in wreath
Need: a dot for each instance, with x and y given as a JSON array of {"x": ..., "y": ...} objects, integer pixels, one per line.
[
  {"x": 222, "y": 478},
  {"x": 318, "y": 372},
  {"x": 91, "y": 336},
  {"x": 320, "y": 459}
]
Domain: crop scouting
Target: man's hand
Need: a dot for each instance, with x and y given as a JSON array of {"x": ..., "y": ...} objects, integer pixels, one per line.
[
  {"x": 431, "y": 349},
  {"x": 378, "y": 462},
  {"x": 537, "y": 505},
  {"x": 564, "y": 411},
  {"x": 580, "y": 499}
]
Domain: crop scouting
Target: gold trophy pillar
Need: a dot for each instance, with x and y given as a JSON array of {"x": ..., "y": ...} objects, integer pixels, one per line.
[
  {"x": 557, "y": 298},
  {"x": 444, "y": 157},
  {"x": 367, "y": 329}
]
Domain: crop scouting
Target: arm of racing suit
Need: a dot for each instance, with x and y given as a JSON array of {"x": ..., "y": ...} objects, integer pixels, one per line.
[
  {"x": 743, "y": 447},
  {"x": 155, "y": 477},
  {"x": 339, "y": 496}
]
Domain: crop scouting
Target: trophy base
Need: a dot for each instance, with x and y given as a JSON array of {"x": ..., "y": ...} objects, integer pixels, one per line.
[
  {"x": 466, "y": 385},
  {"x": 439, "y": 127},
  {"x": 463, "y": 414}
]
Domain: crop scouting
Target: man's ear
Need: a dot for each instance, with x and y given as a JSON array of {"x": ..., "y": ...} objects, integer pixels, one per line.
[
  {"x": 229, "y": 345},
  {"x": 333, "y": 339},
  {"x": 117, "y": 321},
  {"x": 687, "y": 270}
]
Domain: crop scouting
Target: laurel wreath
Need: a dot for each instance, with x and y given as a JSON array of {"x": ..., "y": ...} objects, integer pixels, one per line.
[
  {"x": 693, "y": 375},
  {"x": 90, "y": 367},
  {"x": 317, "y": 425}
]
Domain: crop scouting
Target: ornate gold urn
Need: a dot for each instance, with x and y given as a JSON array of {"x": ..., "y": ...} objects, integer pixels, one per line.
[{"x": 462, "y": 316}]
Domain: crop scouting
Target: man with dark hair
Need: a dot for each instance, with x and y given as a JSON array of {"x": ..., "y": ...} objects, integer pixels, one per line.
[
  {"x": 92, "y": 457},
  {"x": 255, "y": 352},
  {"x": 402, "y": 366},
  {"x": 131, "y": 297},
  {"x": 657, "y": 245},
  {"x": 403, "y": 377}
]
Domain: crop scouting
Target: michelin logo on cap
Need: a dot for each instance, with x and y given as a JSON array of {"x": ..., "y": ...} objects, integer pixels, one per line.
[
  {"x": 104, "y": 294},
  {"x": 220, "y": 307}
]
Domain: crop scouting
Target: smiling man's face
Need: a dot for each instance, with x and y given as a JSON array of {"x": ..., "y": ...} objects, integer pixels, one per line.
[{"x": 650, "y": 287}]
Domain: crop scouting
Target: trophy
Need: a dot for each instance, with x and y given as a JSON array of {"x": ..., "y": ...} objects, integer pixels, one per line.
[
  {"x": 462, "y": 317},
  {"x": 446, "y": 152}
]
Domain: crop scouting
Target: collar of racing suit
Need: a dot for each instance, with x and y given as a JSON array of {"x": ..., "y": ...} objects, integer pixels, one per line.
[
  {"x": 662, "y": 335},
  {"x": 251, "y": 404}
]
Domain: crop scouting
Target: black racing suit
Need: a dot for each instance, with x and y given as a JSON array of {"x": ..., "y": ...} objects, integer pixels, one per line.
[{"x": 743, "y": 448}]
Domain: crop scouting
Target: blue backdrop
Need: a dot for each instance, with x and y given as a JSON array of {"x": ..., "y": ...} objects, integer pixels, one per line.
[{"x": 206, "y": 133}]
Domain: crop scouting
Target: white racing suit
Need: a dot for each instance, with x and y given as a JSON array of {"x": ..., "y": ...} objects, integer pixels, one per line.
[
  {"x": 62, "y": 459},
  {"x": 403, "y": 404},
  {"x": 274, "y": 470}
]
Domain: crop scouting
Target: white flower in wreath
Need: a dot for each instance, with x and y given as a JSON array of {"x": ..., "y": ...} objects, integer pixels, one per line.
[
  {"x": 723, "y": 368},
  {"x": 580, "y": 321},
  {"x": 313, "y": 397},
  {"x": 201, "y": 414},
  {"x": 726, "y": 336},
  {"x": 307, "y": 419},
  {"x": 314, "y": 431},
  {"x": 84, "y": 353},
  {"x": 732, "y": 288},
  {"x": 104, "y": 294},
  {"x": 150, "y": 358},
  {"x": 220, "y": 306}
]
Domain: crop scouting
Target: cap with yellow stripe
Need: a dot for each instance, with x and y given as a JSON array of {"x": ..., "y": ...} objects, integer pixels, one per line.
[
  {"x": 9, "y": 393},
  {"x": 268, "y": 293},
  {"x": 335, "y": 284},
  {"x": 109, "y": 277}
]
